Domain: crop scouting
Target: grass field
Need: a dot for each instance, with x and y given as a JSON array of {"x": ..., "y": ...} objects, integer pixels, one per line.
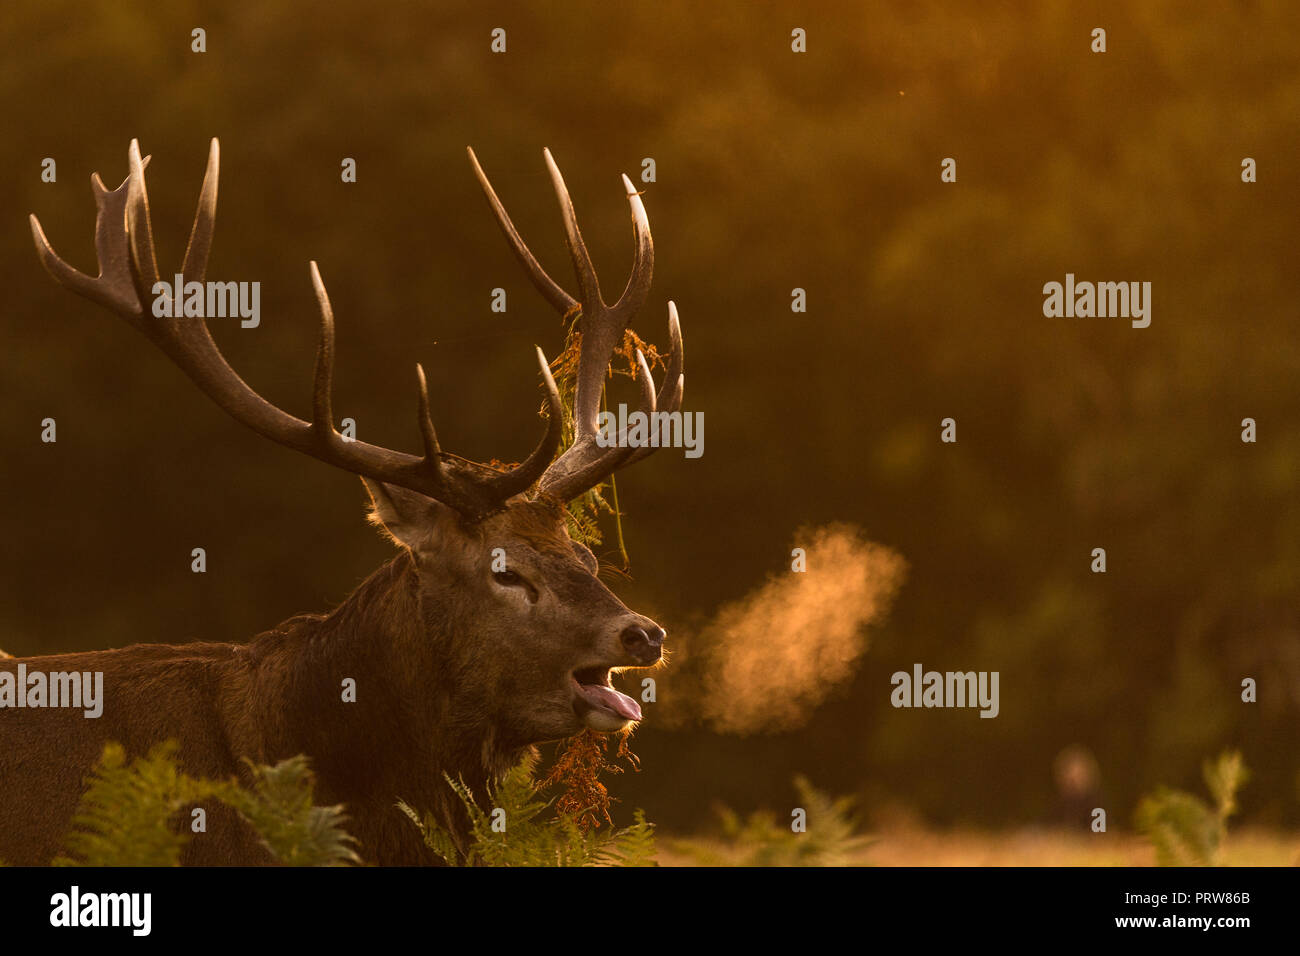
[{"x": 1033, "y": 847}]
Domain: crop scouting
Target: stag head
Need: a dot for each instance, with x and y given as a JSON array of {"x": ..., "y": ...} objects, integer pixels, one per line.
[
  {"x": 534, "y": 645},
  {"x": 530, "y": 645}
]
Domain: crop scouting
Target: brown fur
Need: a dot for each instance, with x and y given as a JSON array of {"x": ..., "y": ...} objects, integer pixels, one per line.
[{"x": 455, "y": 674}]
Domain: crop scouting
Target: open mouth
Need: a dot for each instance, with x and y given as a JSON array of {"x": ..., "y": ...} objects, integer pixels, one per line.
[{"x": 598, "y": 704}]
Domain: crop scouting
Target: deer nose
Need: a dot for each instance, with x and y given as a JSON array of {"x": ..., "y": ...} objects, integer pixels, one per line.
[{"x": 645, "y": 645}]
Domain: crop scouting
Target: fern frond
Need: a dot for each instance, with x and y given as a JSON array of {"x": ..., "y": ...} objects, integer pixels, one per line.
[
  {"x": 525, "y": 834},
  {"x": 1183, "y": 829},
  {"x": 281, "y": 808},
  {"x": 635, "y": 845},
  {"x": 124, "y": 816},
  {"x": 435, "y": 837},
  {"x": 830, "y": 839}
]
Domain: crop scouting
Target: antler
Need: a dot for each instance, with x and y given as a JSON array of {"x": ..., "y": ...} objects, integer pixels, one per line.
[
  {"x": 586, "y": 464},
  {"x": 128, "y": 270}
]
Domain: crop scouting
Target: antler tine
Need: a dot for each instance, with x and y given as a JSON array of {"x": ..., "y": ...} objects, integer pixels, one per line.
[
  {"x": 649, "y": 400},
  {"x": 432, "y": 451},
  {"x": 548, "y": 287},
  {"x": 322, "y": 394},
  {"x": 602, "y": 325},
  {"x": 586, "y": 463},
  {"x": 670, "y": 393},
  {"x": 195, "y": 266},
  {"x": 431, "y": 463},
  {"x": 637, "y": 289},
  {"x": 139, "y": 227},
  {"x": 588, "y": 284},
  {"x": 521, "y": 478},
  {"x": 113, "y": 287},
  {"x": 676, "y": 359}
]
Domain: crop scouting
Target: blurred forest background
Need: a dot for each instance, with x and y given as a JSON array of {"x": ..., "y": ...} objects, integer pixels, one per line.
[{"x": 774, "y": 171}]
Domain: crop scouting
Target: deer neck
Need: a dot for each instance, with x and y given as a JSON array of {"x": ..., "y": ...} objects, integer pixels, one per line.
[{"x": 373, "y": 694}]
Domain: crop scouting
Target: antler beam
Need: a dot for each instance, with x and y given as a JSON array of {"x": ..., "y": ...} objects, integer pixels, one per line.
[{"x": 128, "y": 270}]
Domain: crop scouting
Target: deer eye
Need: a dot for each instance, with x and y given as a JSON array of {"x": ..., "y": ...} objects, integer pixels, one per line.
[{"x": 509, "y": 579}]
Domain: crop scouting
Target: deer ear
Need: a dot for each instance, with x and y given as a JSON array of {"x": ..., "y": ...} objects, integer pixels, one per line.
[{"x": 404, "y": 514}]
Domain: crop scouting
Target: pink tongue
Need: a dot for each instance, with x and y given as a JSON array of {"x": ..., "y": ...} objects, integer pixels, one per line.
[{"x": 599, "y": 695}]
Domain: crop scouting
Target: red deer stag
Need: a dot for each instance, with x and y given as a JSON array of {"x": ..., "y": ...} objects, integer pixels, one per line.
[{"x": 458, "y": 668}]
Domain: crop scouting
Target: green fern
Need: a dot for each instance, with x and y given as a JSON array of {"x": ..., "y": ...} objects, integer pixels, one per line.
[
  {"x": 281, "y": 809},
  {"x": 635, "y": 845},
  {"x": 513, "y": 828},
  {"x": 1184, "y": 830},
  {"x": 831, "y": 837},
  {"x": 435, "y": 837},
  {"x": 125, "y": 817}
]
